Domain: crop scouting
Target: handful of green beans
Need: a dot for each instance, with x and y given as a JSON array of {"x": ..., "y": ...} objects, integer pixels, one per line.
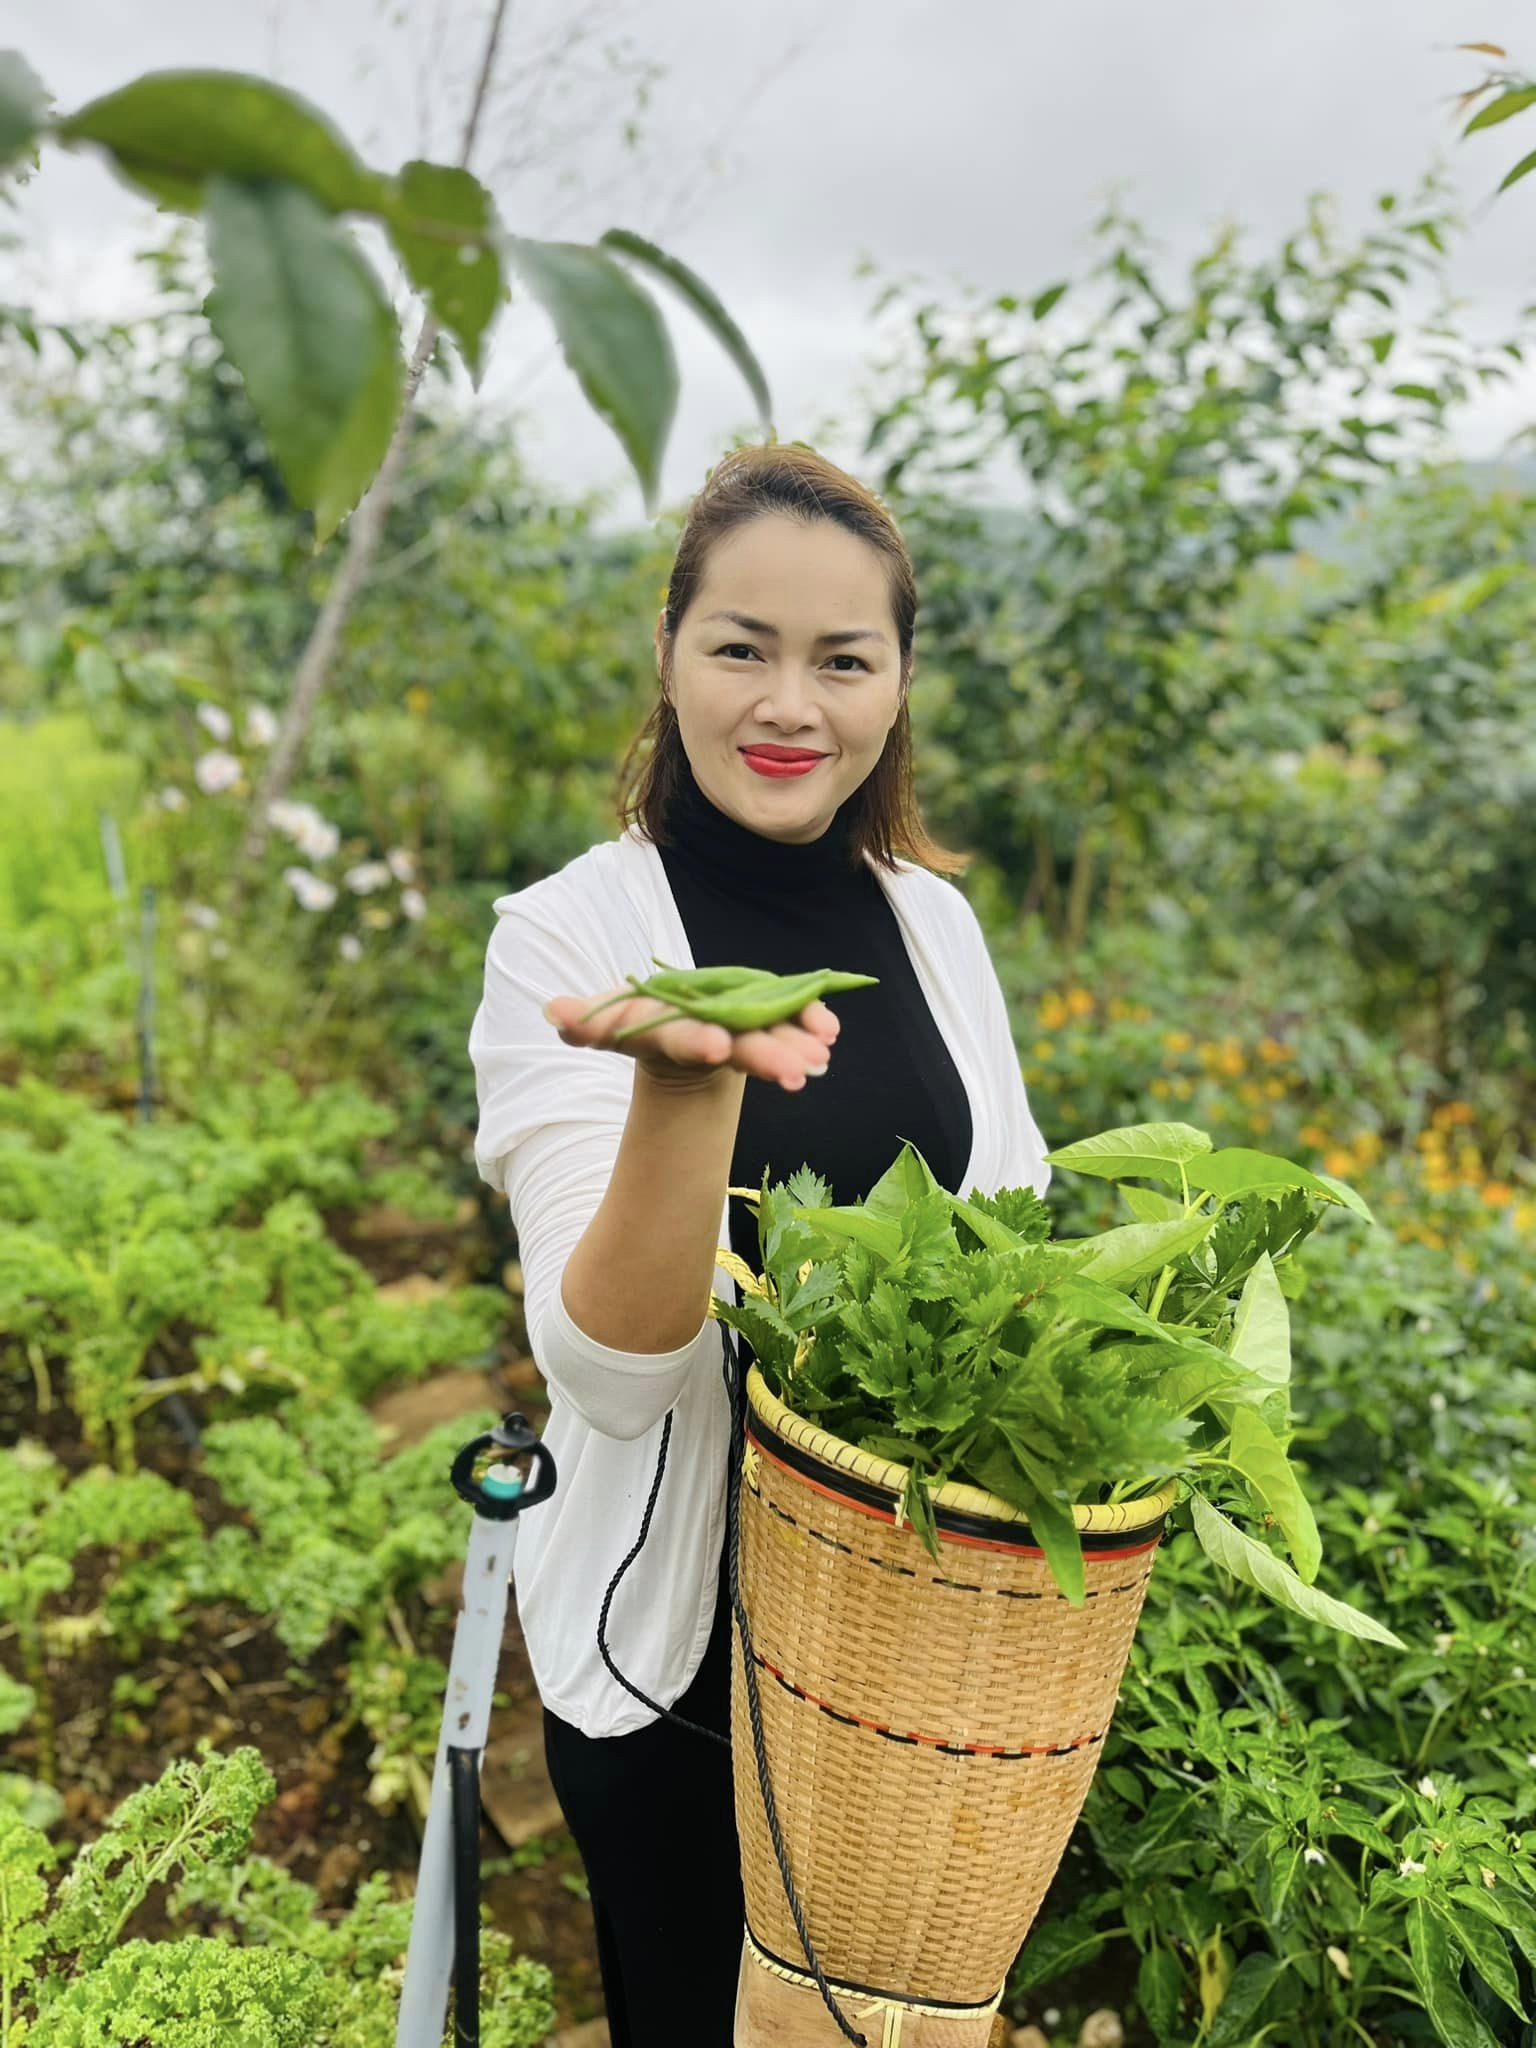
[{"x": 738, "y": 998}]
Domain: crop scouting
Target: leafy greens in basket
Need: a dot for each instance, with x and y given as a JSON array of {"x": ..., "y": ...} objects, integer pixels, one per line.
[{"x": 955, "y": 1338}]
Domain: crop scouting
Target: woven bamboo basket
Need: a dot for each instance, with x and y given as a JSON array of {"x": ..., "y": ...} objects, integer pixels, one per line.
[{"x": 931, "y": 1731}]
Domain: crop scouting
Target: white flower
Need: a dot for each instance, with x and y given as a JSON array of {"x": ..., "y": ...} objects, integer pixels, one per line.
[
  {"x": 1339, "y": 1960},
  {"x": 313, "y": 835},
  {"x": 287, "y": 817},
  {"x": 1313, "y": 1856},
  {"x": 313, "y": 894},
  {"x": 317, "y": 840},
  {"x": 216, "y": 770},
  {"x": 1530, "y": 1758},
  {"x": 172, "y": 798},
  {"x": 350, "y": 946},
  {"x": 260, "y": 725},
  {"x": 1427, "y": 1787},
  {"x": 1437, "y": 1402},
  {"x": 203, "y": 914},
  {"x": 402, "y": 864},
  {"x": 1408, "y": 1868},
  {"x": 367, "y": 876},
  {"x": 215, "y": 720},
  {"x": 414, "y": 904},
  {"x": 1443, "y": 1641}
]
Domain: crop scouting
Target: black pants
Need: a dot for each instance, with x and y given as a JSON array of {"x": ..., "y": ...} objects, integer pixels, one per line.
[{"x": 653, "y": 1816}]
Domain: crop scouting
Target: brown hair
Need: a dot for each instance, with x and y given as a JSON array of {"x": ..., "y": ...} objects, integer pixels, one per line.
[{"x": 791, "y": 479}]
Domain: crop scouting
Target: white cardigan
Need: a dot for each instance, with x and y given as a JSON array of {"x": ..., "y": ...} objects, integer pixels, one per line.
[{"x": 551, "y": 1119}]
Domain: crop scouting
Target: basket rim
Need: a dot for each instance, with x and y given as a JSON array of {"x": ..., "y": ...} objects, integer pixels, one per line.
[{"x": 1100, "y": 1518}]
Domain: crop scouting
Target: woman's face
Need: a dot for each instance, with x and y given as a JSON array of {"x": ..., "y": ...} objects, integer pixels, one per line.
[{"x": 789, "y": 643}]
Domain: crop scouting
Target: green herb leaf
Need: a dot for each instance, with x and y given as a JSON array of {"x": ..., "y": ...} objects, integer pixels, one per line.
[
  {"x": 1145, "y": 1151},
  {"x": 1258, "y": 1567},
  {"x": 1259, "y": 1456}
]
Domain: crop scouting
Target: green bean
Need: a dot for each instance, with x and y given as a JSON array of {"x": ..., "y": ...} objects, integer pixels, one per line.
[{"x": 750, "y": 1004}]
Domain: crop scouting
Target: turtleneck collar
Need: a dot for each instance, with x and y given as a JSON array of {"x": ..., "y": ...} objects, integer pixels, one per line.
[{"x": 706, "y": 838}]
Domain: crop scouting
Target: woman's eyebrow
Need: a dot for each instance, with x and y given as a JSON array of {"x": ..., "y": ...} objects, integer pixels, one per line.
[{"x": 749, "y": 625}]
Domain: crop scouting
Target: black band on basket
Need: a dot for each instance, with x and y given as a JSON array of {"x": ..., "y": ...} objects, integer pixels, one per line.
[{"x": 913, "y": 2002}]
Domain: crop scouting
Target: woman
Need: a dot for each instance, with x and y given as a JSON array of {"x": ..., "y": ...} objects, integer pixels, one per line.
[{"x": 773, "y": 824}]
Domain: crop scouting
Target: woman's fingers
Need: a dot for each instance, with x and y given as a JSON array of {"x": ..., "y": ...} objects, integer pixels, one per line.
[{"x": 786, "y": 1053}]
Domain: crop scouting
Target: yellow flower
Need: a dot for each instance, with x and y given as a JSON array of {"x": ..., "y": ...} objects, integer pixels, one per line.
[
  {"x": 1339, "y": 1163},
  {"x": 1452, "y": 1113},
  {"x": 1250, "y": 1091},
  {"x": 1232, "y": 1061},
  {"x": 1314, "y": 1135},
  {"x": 1274, "y": 1088},
  {"x": 1043, "y": 1048},
  {"x": 417, "y": 700},
  {"x": 1273, "y": 1051},
  {"x": 1177, "y": 1041},
  {"x": 1080, "y": 1002},
  {"x": 1525, "y": 1216},
  {"x": 1158, "y": 1088},
  {"x": 1183, "y": 1087},
  {"x": 1497, "y": 1192},
  {"x": 1051, "y": 1011},
  {"x": 1258, "y": 1123}
]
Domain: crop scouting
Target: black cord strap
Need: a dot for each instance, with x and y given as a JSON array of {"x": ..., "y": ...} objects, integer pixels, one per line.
[{"x": 735, "y": 1388}]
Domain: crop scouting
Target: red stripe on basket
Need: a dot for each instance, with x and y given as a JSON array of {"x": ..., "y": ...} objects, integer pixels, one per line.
[
  {"x": 915, "y": 1735},
  {"x": 888, "y": 1516}
]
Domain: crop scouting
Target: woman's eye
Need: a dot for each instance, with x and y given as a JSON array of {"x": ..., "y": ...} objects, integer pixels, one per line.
[
  {"x": 856, "y": 659},
  {"x": 736, "y": 647}
]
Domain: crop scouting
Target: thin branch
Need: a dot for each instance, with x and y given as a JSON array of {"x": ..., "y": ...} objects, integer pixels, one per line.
[{"x": 363, "y": 533}]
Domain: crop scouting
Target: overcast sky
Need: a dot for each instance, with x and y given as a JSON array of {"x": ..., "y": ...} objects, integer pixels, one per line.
[{"x": 960, "y": 141}]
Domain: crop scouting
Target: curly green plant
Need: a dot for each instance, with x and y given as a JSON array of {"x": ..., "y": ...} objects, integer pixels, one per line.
[{"x": 45, "y": 1524}]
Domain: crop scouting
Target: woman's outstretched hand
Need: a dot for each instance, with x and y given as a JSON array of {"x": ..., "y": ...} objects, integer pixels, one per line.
[{"x": 687, "y": 1052}]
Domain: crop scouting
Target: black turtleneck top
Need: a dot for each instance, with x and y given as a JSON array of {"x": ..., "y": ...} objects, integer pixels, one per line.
[{"x": 750, "y": 901}]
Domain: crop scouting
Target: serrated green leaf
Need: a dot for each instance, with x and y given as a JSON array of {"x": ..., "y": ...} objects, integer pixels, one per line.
[
  {"x": 1260, "y": 1457},
  {"x": 169, "y": 132},
  {"x": 461, "y": 280},
  {"x": 305, "y": 321},
  {"x": 1143, "y": 1151},
  {"x": 705, "y": 303},
  {"x": 23, "y": 106},
  {"x": 995, "y": 1235},
  {"x": 614, "y": 340},
  {"x": 1436, "y": 1967},
  {"x": 1258, "y": 1567}
]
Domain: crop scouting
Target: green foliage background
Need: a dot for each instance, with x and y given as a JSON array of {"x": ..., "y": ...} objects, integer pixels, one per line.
[{"x": 1235, "y": 710}]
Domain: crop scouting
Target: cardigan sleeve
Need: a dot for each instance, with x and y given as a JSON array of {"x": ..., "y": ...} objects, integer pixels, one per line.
[
  {"x": 1025, "y": 1148},
  {"x": 551, "y": 1119}
]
